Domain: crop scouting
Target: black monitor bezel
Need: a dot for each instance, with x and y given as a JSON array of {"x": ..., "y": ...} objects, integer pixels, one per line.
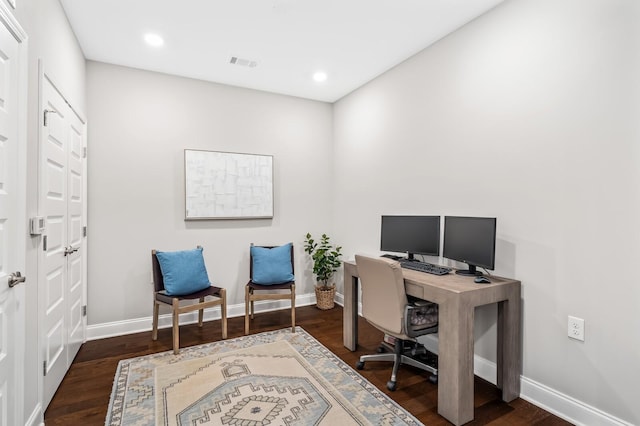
[
  {"x": 410, "y": 250},
  {"x": 473, "y": 263}
]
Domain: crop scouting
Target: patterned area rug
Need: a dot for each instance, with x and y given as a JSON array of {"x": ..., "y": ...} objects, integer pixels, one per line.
[{"x": 273, "y": 378}]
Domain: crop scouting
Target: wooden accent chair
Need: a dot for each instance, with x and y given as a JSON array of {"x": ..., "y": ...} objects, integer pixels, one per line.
[
  {"x": 218, "y": 295},
  {"x": 270, "y": 268},
  {"x": 386, "y": 307}
]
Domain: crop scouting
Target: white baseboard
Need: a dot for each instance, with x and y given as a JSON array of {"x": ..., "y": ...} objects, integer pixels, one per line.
[
  {"x": 564, "y": 406},
  {"x": 138, "y": 325},
  {"x": 549, "y": 399},
  {"x": 542, "y": 396},
  {"x": 36, "y": 417}
]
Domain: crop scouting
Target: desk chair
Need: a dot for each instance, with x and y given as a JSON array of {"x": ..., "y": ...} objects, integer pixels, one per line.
[
  {"x": 180, "y": 276},
  {"x": 270, "y": 268},
  {"x": 385, "y": 306}
]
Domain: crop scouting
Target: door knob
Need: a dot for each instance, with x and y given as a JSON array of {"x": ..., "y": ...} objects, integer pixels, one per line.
[{"x": 16, "y": 278}]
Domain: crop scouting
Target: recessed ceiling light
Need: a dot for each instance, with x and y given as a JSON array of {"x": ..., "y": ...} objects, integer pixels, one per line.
[
  {"x": 153, "y": 40},
  {"x": 320, "y": 76}
]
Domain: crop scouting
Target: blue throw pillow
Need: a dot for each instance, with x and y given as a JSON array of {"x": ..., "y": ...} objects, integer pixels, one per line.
[
  {"x": 183, "y": 272},
  {"x": 272, "y": 265}
]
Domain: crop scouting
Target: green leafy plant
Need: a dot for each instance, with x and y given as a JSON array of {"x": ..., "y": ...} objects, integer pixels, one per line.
[{"x": 325, "y": 256}]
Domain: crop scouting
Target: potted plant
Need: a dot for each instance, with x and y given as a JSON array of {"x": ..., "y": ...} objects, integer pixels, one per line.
[{"x": 326, "y": 261}]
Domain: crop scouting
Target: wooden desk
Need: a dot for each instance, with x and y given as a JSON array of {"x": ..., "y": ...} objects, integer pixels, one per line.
[{"x": 457, "y": 297}]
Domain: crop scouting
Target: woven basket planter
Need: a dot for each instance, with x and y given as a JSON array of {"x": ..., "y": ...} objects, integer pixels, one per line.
[{"x": 325, "y": 296}]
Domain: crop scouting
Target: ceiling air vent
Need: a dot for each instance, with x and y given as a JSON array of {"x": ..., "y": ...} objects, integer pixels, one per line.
[{"x": 243, "y": 62}]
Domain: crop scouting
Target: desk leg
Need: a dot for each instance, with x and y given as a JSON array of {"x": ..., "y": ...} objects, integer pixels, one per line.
[
  {"x": 455, "y": 361},
  {"x": 350, "y": 310},
  {"x": 509, "y": 346}
]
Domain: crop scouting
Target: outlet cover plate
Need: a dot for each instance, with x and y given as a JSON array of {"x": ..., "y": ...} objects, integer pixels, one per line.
[{"x": 575, "y": 328}]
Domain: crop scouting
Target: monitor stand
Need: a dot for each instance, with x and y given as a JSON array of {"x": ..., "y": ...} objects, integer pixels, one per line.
[
  {"x": 391, "y": 256},
  {"x": 471, "y": 272},
  {"x": 410, "y": 258}
]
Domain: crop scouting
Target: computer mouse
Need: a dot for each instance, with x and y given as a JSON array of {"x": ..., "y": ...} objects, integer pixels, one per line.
[{"x": 481, "y": 280}]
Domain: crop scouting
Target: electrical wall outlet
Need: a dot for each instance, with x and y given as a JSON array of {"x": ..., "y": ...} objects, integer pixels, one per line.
[{"x": 576, "y": 328}]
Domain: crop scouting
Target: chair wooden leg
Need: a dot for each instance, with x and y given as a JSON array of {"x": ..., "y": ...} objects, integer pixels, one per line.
[
  {"x": 246, "y": 310},
  {"x": 176, "y": 326},
  {"x": 200, "y": 313},
  {"x": 293, "y": 308},
  {"x": 223, "y": 312},
  {"x": 154, "y": 329}
]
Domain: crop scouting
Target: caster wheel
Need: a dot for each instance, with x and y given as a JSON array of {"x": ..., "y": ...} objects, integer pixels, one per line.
[
  {"x": 360, "y": 365},
  {"x": 433, "y": 379},
  {"x": 391, "y": 385}
]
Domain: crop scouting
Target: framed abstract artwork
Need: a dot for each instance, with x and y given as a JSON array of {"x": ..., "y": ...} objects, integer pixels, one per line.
[{"x": 227, "y": 185}]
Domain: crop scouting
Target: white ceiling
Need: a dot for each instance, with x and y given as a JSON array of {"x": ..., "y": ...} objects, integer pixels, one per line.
[{"x": 353, "y": 41}]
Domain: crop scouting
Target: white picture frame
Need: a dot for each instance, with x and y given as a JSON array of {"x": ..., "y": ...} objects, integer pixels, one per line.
[{"x": 227, "y": 185}]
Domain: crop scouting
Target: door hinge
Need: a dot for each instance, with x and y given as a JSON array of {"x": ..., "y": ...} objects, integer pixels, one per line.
[
  {"x": 84, "y": 310},
  {"x": 44, "y": 368},
  {"x": 44, "y": 243},
  {"x": 84, "y": 152},
  {"x": 84, "y": 231}
]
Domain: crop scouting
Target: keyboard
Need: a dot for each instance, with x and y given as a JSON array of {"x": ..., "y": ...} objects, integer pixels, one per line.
[{"x": 425, "y": 267}]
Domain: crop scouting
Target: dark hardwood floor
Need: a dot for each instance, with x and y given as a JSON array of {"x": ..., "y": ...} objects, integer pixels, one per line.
[{"x": 83, "y": 396}]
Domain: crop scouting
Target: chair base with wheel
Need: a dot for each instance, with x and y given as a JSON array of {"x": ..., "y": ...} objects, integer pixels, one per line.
[{"x": 414, "y": 355}]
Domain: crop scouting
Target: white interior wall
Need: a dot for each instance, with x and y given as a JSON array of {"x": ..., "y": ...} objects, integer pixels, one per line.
[
  {"x": 140, "y": 124},
  {"x": 51, "y": 41},
  {"x": 529, "y": 114},
  {"x": 532, "y": 107}
]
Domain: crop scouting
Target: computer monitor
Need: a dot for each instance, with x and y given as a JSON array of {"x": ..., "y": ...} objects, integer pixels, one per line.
[
  {"x": 471, "y": 240},
  {"x": 411, "y": 235}
]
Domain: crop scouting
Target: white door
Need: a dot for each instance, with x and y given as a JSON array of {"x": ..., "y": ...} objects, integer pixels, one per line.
[
  {"x": 75, "y": 237},
  {"x": 61, "y": 274},
  {"x": 12, "y": 211}
]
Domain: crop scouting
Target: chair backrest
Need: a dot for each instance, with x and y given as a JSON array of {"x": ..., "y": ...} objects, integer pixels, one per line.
[
  {"x": 268, "y": 247},
  {"x": 383, "y": 294},
  {"x": 158, "y": 281}
]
